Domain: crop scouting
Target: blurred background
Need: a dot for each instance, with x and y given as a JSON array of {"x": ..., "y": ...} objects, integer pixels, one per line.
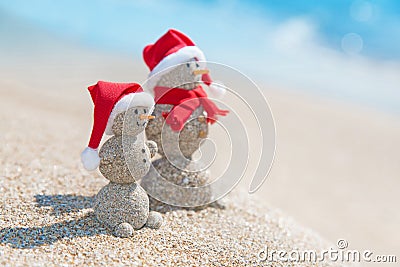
[
  {"x": 304, "y": 45},
  {"x": 330, "y": 70}
]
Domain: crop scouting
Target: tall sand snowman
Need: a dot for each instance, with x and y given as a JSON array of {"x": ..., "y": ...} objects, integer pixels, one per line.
[
  {"x": 122, "y": 111},
  {"x": 183, "y": 113}
]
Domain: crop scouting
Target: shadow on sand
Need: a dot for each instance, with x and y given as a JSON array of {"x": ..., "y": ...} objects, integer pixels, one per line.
[
  {"x": 31, "y": 237},
  {"x": 62, "y": 204},
  {"x": 87, "y": 225}
]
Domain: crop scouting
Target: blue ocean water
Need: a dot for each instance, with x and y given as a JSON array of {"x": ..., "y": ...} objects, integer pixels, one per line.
[{"x": 336, "y": 48}]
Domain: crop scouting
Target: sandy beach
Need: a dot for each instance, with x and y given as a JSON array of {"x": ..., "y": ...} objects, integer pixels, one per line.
[{"x": 335, "y": 176}]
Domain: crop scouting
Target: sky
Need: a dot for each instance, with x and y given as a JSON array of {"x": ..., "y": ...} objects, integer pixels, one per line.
[{"x": 341, "y": 49}]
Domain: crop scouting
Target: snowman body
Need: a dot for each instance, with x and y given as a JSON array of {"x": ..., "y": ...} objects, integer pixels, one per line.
[
  {"x": 118, "y": 153},
  {"x": 178, "y": 146},
  {"x": 190, "y": 137}
]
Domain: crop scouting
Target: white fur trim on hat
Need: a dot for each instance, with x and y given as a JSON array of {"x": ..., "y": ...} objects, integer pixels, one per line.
[
  {"x": 217, "y": 89},
  {"x": 90, "y": 159},
  {"x": 130, "y": 100},
  {"x": 182, "y": 55}
]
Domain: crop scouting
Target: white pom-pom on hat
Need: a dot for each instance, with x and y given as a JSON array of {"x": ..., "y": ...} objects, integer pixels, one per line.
[
  {"x": 217, "y": 89},
  {"x": 90, "y": 159}
]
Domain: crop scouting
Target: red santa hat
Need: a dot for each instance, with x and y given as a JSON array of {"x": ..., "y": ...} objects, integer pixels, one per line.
[
  {"x": 109, "y": 100},
  {"x": 171, "y": 49}
]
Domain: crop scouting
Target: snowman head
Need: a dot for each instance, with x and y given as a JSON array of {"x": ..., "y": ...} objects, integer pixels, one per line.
[
  {"x": 186, "y": 75},
  {"x": 134, "y": 110},
  {"x": 133, "y": 121}
]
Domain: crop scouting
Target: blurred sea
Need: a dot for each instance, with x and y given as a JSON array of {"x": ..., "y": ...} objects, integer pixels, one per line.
[{"x": 303, "y": 47}]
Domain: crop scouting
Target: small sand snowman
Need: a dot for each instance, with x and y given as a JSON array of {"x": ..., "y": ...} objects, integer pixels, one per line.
[
  {"x": 183, "y": 112},
  {"x": 121, "y": 110}
]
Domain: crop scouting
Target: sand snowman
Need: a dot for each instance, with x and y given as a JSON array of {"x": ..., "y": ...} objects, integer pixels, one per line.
[
  {"x": 121, "y": 110},
  {"x": 183, "y": 113}
]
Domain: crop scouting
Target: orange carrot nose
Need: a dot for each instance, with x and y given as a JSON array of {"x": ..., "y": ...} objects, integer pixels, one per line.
[
  {"x": 144, "y": 116},
  {"x": 200, "y": 72}
]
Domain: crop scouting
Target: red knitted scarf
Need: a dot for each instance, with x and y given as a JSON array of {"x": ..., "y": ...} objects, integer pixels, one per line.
[{"x": 185, "y": 102}]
